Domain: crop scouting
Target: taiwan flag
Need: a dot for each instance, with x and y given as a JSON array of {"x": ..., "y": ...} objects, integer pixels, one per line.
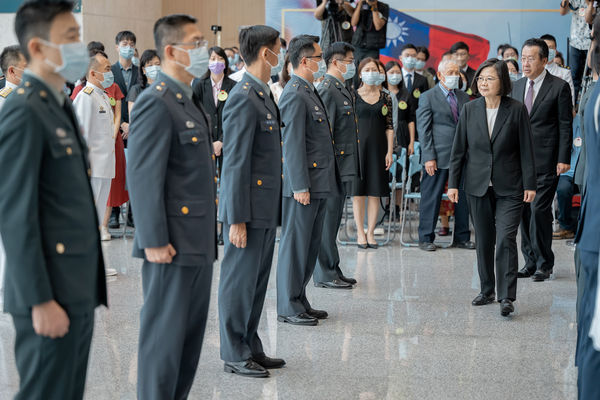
[{"x": 403, "y": 29}]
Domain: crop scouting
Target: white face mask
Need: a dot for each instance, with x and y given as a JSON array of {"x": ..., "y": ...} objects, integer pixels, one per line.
[
  {"x": 451, "y": 81},
  {"x": 198, "y": 61}
]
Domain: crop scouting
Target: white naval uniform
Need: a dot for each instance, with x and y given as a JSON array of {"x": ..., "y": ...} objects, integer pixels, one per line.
[
  {"x": 8, "y": 89},
  {"x": 96, "y": 118},
  {"x": 564, "y": 74}
]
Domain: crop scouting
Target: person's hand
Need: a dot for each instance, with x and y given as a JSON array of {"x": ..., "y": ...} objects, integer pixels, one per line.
[
  {"x": 302, "y": 198},
  {"x": 389, "y": 160},
  {"x": 431, "y": 167},
  {"x": 529, "y": 196},
  {"x": 49, "y": 319},
  {"x": 217, "y": 147},
  {"x": 562, "y": 168},
  {"x": 160, "y": 255},
  {"x": 453, "y": 195},
  {"x": 238, "y": 235},
  {"x": 411, "y": 148},
  {"x": 125, "y": 127}
]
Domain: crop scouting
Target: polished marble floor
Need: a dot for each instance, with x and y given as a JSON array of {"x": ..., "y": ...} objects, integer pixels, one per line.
[{"x": 407, "y": 331}]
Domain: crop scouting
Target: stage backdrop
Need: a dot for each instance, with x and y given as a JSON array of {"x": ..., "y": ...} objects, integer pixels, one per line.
[{"x": 482, "y": 24}]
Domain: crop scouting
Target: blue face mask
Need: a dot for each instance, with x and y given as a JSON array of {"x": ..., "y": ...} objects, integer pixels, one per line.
[
  {"x": 409, "y": 63},
  {"x": 350, "y": 71},
  {"x": 198, "y": 61},
  {"x": 370, "y": 78},
  {"x": 75, "y": 60},
  {"x": 107, "y": 79},
  {"x": 551, "y": 55},
  {"x": 135, "y": 61},
  {"x": 126, "y": 52},
  {"x": 322, "y": 69},
  {"x": 394, "y": 79},
  {"x": 514, "y": 77},
  {"x": 152, "y": 71},
  {"x": 380, "y": 79},
  {"x": 276, "y": 69},
  {"x": 420, "y": 65}
]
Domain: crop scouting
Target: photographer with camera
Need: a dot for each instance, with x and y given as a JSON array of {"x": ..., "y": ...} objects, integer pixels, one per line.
[
  {"x": 370, "y": 19},
  {"x": 336, "y": 21}
]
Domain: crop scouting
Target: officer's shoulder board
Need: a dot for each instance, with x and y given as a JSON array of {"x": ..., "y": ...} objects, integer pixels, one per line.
[
  {"x": 5, "y": 92},
  {"x": 88, "y": 90},
  {"x": 245, "y": 87},
  {"x": 159, "y": 88}
]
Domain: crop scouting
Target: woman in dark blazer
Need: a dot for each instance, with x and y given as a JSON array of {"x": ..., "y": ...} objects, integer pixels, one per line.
[{"x": 493, "y": 148}]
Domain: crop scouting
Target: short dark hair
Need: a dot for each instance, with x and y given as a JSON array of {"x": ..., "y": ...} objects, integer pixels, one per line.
[
  {"x": 93, "y": 62},
  {"x": 283, "y": 42},
  {"x": 501, "y": 70},
  {"x": 391, "y": 64},
  {"x": 10, "y": 57},
  {"x": 95, "y": 45},
  {"x": 146, "y": 57},
  {"x": 424, "y": 50},
  {"x": 534, "y": 42},
  {"x": 253, "y": 38},
  {"x": 408, "y": 46},
  {"x": 501, "y": 47},
  {"x": 34, "y": 18},
  {"x": 459, "y": 46},
  {"x": 167, "y": 30},
  {"x": 513, "y": 62},
  {"x": 549, "y": 37},
  {"x": 125, "y": 35},
  {"x": 508, "y": 47},
  {"x": 364, "y": 63},
  {"x": 301, "y": 46},
  {"x": 337, "y": 49},
  {"x": 221, "y": 53}
]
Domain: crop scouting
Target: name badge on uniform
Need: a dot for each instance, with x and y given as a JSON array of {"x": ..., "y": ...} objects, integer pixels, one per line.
[
  {"x": 269, "y": 116},
  {"x": 384, "y": 110},
  {"x": 222, "y": 96},
  {"x": 61, "y": 133},
  {"x": 402, "y": 105},
  {"x": 577, "y": 142},
  {"x": 190, "y": 124},
  {"x": 102, "y": 110},
  {"x": 417, "y": 93},
  {"x": 346, "y": 25}
]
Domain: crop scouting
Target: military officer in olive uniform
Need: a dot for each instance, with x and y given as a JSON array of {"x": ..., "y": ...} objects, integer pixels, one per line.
[
  {"x": 54, "y": 264},
  {"x": 251, "y": 204},
  {"x": 172, "y": 186},
  {"x": 342, "y": 118},
  {"x": 310, "y": 175}
]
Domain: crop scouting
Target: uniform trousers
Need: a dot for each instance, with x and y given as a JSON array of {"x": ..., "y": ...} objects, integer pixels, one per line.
[
  {"x": 53, "y": 369},
  {"x": 496, "y": 221},
  {"x": 172, "y": 323},
  {"x": 301, "y": 231},
  {"x": 2, "y": 265},
  {"x": 101, "y": 190},
  {"x": 242, "y": 290}
]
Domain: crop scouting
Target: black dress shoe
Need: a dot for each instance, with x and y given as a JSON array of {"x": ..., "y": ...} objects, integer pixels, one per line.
[
  {"x": 301, "y": 319},
  {"x": 469, "y": 245},
  {"x": 482, "y": 299},
  {"x": 318, "y": 314},
  {"x": 268, "y": 362},
  {"x": 362, "y": 246},
  {"x": 247, "y": 368},
  {"x": 113, "y": 222},
  {"x": 334, "y": 284},
  {"x": 506, "y": 307},
  {"x": 373, "y": 246},
  {"x": 427, "y": 246},
  {"x": 524, "y": 273},
  {"x": 351, "y": 281},
  {"x": 541, "y": 276}
]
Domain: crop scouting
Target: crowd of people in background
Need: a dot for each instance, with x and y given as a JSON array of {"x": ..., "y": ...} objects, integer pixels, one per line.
[{"x": 289, "y": 131}]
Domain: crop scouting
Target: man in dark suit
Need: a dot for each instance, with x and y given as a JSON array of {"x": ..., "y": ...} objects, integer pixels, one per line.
[
  {"x": 251, "y": 204},
  {"x": 171, "y": 176},
  {"x": 548, "y": 100},
  {"x": 588, "y": 245},
  {"x": 126, "y": 76},
  {"x": 310, "y": 177},
  {"x": 437, "y": 116},
  {"x": 340, "y": 107},
  {"x": 54, "y": 264},
  {"x": 460, "y": 54}
]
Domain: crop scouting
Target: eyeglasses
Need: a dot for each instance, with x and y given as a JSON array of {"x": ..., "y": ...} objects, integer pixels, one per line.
[
  {"x": 196, "y": 44},
  {"x": 486, "y": 79},
  {"x": 346, "y": 60},
  {"x": 316, "y": 57},
  {"x": 528, "y": 59}
]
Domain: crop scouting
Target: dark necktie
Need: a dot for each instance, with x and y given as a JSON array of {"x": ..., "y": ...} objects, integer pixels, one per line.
[
  {"x": 453, "y": 105},
  {"x": 409, "y": 82},
  {"x": 276, "y": 107},
  {"x": 529, "y": 97}
]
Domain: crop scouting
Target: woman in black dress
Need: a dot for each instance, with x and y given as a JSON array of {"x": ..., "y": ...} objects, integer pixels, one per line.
[{"x": 376, "y": 144}]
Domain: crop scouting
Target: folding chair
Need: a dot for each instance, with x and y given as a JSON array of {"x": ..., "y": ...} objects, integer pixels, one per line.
[
  {"x": 394, "y": 187},
  {"x": 414, "y": 166}
]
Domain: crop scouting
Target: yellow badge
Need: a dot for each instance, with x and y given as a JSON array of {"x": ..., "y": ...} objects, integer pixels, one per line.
[
  {"x": 469, "y": 92},
  {"x": 402, "y": 105},
  {"x": 417, "y": 93},
  {"x": 112, "y": 101},
  {"x": 384, "y": 110},
  {"x": 222, "y": 96}
]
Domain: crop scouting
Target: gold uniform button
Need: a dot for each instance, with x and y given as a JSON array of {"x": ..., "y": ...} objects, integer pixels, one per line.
[
  {"x": 281, "y": 144},
  {"x": 342, "y": 152},
  {"x": 358, "y": 141},
  {"x": 194, "y": 139},
  {"x": 281, "y": 159},
  {"x": 20, "y": 90},
  {"x": 259, "y": 182},
  {"x": 179, "y": 96},
  {"x": 185, "y": 210},
  {"x": 27, "y": 84},
  {"x": 60, "y": 248},
  {"x": 217, "y": 201},
  {"x": 216, "y": 179},
  {"x": 69, "y": 151},
  {"x": 270, "y": 128},
  {"x": 162, "y": 84},
  {"x": 281, "y": 176},
  {"x": 213, "y": 157},
  {"x": 89, "y": 171},
  {"x": 315, "y": 165},
  {"x": 43, "y": 94},
  {"x": 159, "y": 88}
]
